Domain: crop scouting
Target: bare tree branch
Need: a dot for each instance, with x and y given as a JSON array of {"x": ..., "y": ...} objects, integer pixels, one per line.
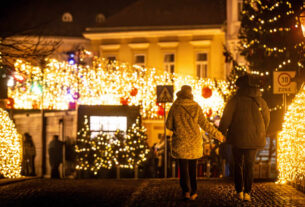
[{"x": 33, "y": 49}]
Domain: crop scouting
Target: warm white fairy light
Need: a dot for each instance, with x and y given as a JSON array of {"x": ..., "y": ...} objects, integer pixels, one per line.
[
  {"x": 104, "y": 84},
  {"x": 105, "y": 151},
  {"x": 291, "y": 142},
  {"x": 10, "y": 147}
]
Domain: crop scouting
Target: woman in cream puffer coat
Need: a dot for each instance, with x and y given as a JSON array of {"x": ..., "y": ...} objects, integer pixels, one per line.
[{"x": 184, "y": 119}]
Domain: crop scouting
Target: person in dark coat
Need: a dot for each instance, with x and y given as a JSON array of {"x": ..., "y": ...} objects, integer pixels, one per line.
[
  {"x": 55, "y": 156},
  {"x": 29, "y": 153},
  {"x": 244, "y": 122},
  {"x": 184, "y": 119}
]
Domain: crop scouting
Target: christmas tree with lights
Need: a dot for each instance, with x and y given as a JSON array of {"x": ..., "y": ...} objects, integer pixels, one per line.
[
  {"x": 271, "y": 39},
  {"x": 102, "y": 152},
  {"x": 84, "y": 154},
  {"x": 120, "y": 150},
  {"x": 136, "y": 144}
]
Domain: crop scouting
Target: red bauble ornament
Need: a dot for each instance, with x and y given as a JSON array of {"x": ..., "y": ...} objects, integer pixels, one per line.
[
  {"x": 206, "y": 92},
  {"x": 160, "y": 111},
  {"x": 76, "y": 96},
  {"x": 35, "y": 104},
  {"x": 209, "y": 113},
  {"x": 124, "y": 101},
  {"x": 18, "y": 77},
  {"x": 134, "y": 92},
  {"x": 10, "y": 103},
  {"x": 72, "y": 105}
]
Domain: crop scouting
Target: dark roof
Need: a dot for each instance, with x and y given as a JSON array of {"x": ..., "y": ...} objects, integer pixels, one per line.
[
  {"x": 154, "y": 13},
  {"x": 44, "y": 17}
]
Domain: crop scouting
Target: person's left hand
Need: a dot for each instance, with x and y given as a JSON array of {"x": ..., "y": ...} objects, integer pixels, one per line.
[{"x": 222, "y": 138}]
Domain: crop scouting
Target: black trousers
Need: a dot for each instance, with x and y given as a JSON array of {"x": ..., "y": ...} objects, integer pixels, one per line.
[
  {"x": 243, "y": 168},
  {"x": 55, "y": 171},
  {"x": 188, "y": 170}
]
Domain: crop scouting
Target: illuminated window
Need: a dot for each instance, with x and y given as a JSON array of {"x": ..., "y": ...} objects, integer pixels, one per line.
[
  {"x": 67, "y": 17},
  {"x": 202, "y": 65},
  {"x": 111, "y": 58},
  {"x": 140, "y": 60},
  {"x": 169, "y": 63},
  {"x": 107, "y": 124},
  {"x": 100, "y": 18}
]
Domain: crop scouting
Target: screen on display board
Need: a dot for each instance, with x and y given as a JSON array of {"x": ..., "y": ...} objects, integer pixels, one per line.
[{"x": 107, "y": 124}]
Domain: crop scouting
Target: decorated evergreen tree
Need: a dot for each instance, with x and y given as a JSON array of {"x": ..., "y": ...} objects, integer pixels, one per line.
[
  {"x": 271, "y": 35},
  {"x": 102, "y": 152},
  {"x": 272, "y": 40},
  {"x": 84, "y": 156},
  {"x": 236, "y": 72},
  {"x": 93, "y": 153},
  {"x": 136, "y": 144},
  {"x": 120, "y": 150}
]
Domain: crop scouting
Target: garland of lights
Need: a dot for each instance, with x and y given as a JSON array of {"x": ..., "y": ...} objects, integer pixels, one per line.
[
  {"x": 10, "y": 147},
  {"x": 61, "y": 86},
  {"x": 291, "y": 143},
  {"x": 104, "y": 151},
  {"x": 266, "y": 27}
]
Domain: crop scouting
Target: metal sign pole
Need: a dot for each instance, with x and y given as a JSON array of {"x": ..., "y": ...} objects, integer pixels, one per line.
[
  {"x": 165, "y": 144},
  {"x": 285, "y": 102}
]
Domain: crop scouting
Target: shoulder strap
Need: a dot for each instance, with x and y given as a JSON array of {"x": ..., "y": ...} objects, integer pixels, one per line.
[
  {"x": 187, "y": 112},
  {"x": 259, "y": 109},
  {"x": 257, "y": 103}
]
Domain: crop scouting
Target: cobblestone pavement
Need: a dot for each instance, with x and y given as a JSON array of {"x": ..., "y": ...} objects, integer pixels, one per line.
[{"x": 142, "y": 192}]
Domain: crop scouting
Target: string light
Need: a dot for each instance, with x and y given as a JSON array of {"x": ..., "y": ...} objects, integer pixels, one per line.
[
  {"x": 105, "y": 84},
  {"x": 10, "y": 147},
  {"x": 105, "y": 150}
]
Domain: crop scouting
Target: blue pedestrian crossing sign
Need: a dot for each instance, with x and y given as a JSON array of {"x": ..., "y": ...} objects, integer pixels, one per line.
[{"x": 165, "y": 93}]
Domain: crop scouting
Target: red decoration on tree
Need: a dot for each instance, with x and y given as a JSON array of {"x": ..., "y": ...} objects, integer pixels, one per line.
[
  {"x": 35, "y": 104},
  {"x": 209, "y": 113},
  {"x": 206, "y": 92},
  {"x": 18, "y": 77},
  {"x": 72, "y": 105},
  {"x": 76, "y": 96},
  {"x": 10, "y": 103},
  {"x": 124, "y": 101},
  {"x": 160, "y": 111},
  {"x": 134, "y": 91}
]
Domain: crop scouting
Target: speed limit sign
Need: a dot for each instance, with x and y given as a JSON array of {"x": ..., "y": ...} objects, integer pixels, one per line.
[{"x": 282, "y": 82}]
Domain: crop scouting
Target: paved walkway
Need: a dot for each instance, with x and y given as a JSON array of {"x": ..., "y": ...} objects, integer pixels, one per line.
[{"x": 142, "y": 192}]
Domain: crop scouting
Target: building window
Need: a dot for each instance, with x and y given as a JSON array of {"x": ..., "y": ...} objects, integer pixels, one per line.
[
  {"x": 107, "y": 124},
  {"x": 202, "y": 65},
  {"x": 67, "y": 17},
  {"x": 240, "y": 9},
  {"x": 140, "y": 60},
  {"x": 169, "y": 63},
  {"x": 100, "y": 18},
  {"x": 111, "y": 58}
]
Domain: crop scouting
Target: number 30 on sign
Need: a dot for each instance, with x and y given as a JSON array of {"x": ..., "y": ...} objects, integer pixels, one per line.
[{"x": 282, "y": 82}]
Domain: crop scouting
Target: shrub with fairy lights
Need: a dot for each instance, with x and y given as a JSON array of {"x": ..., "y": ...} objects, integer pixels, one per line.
[
  {"x": 291, "y": 142},
  {"x": 10, "y": 147}
]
